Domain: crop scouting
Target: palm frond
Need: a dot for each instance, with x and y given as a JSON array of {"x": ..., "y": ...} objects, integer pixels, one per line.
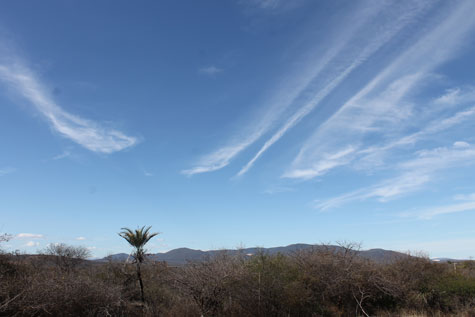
[{"x": 138, "y": 239}]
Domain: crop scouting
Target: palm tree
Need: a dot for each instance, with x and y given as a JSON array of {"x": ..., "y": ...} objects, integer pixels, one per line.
[{"x": 138, "y": 239}]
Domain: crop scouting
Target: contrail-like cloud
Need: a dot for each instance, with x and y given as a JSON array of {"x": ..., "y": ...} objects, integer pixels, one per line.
[
  {"x": 286, "y": 94},
  {"x": 379, "y": 104},
  {"x": 357, "y": 57}
]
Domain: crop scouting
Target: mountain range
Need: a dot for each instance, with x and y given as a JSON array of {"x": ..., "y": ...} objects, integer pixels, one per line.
[{"x": 181, "y": 256}]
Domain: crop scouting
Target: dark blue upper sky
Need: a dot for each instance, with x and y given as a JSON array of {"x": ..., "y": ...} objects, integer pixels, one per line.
[{"x": 226, "y": 123}]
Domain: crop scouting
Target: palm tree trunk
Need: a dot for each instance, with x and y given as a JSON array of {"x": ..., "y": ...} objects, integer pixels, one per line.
[{"x": 139, "y": 277}]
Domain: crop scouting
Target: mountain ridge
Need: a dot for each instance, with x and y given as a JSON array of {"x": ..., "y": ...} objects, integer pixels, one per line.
[{"x": 181, "y": 256}]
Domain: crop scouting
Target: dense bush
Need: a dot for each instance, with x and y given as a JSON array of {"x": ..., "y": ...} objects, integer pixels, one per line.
[{"x": 319, "y": 282}]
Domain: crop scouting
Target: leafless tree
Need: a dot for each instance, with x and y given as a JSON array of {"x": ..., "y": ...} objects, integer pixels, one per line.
[
  {"x": 67, "y": 257},
  {"x": 4, "y": 237}
]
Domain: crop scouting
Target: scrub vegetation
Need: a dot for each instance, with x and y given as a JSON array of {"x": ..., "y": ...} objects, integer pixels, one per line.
[{"x": 313, "y": 282}]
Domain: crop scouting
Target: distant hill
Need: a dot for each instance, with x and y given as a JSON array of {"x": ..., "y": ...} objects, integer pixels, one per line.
[
  {"x": 183, "y": 255},
  {"x": 119, "y": 257}
]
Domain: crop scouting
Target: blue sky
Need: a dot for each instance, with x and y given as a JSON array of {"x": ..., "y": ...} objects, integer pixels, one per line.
[{"x": 238, "y": 123}]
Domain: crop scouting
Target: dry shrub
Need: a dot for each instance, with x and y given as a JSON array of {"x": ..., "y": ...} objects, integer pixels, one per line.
[
  {"x": 69, "y": 296},
  {"x": 270, "y": 286},
  {"x": 341, "y": 282},
  {"x": 29, "y": 291},
  {"x": 209, "y": 284},
  {"x": 324, "y": 281}
]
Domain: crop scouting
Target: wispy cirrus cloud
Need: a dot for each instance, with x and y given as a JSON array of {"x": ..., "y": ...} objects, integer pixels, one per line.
[
  {"x": 456, "y": 96},
  {"x": 328, "y": 162},
  {"x": 87, "y": 133},
  {"x": 29, "y": 236},
  {"x": 374, "y": 155},
  {"x": 429, "y": 213},
  {"x": 211, "y": 70},
  {"x": 61, "y": 156},
  {"x": 380, "y": 109},
  {"x": 357, "y": 57},
  {"x": 272, "y": 5},
  {"x": 345, "y": 130},
  {"x": 383, "y": 191},
  {"x": 465, "y": 197},
  {"x": 462, "y": 203},
  {"x": 222, "y": 157},
  {"x": 412, "y": 176},
  {"x": 266, "y": 4},
  {"x": 318, "y": 77}
]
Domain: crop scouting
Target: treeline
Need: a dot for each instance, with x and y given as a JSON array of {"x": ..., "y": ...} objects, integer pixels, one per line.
[{"x": 314, "y": 282}]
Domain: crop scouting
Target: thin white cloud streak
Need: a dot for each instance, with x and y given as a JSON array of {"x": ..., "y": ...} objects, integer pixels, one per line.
[
  {"x": 80, "y": 238},
  {"x": 456, "y": 96},
  {"x": 465, "y": 197},
  {"x": 287, "y": 94},
  {"x": 374, "y": 154},
  {"x": 384, "y": 191},
  {"x": 7, "y": 170},
  {"x": 29, "y": 236},
  {"x": 329, "y": 161},
  {"x": 210, "y": 70},
  {"x": 356, "y": 118},
  {"x": 414, "y": 175},
  {"x": 267, "y": 4},
  {"x": 381, "y": 37},
  {"x": 63, "y": 155},
  {"x": 223, "y": 156},
  {"x": 272, "y": 5},
  {"x": 87, "y": 133},
  {"x": 449, "y": 209},
  {"x": 364, "y": 123}
]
